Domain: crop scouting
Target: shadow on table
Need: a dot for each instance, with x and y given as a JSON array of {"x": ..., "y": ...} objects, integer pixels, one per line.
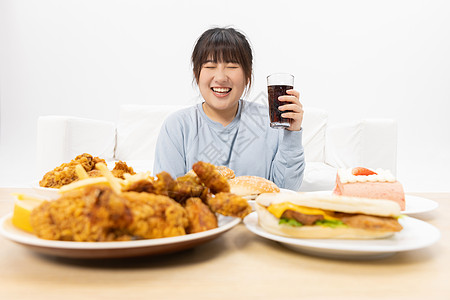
[{"x": 195, "y": 255}]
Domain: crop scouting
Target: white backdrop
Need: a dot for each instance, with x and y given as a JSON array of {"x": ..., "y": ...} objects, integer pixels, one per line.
[{"x": 357, "y": 59}]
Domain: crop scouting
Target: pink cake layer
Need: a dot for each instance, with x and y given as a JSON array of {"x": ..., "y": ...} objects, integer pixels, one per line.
[{"x": 375, "y": 190}]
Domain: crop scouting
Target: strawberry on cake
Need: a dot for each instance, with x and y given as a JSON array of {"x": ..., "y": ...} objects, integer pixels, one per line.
[{"x": 366, "y": 183}]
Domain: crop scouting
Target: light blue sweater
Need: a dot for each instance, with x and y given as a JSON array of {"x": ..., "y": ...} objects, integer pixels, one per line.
[{"x": 248, "y": 145}]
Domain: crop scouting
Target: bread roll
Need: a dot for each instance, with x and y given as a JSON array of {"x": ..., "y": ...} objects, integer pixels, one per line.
[
  {"x": 252, "y": 186},
  {"x": 225, "y": 172}
]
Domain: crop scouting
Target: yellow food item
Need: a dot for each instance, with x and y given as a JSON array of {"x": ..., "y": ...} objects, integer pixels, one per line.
[
  {"x": 22, "y": 209},
  {"x": 278, "y": 209}
]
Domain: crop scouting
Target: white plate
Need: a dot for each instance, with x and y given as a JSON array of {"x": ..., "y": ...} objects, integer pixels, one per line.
[
  {"x": 416, "y": 234},
  {"x": 48, "y": 193},
  {"x": 113, "y": 249},
  {"x": 418, "y": 205},
  {"x": 413, "y": 204}
]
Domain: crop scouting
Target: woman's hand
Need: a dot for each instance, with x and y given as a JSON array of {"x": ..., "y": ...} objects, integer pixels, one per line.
[{"x": 293, "y": 108}]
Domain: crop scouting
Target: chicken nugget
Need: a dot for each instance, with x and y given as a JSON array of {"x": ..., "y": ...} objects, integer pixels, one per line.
[
  {"x": 155, "y": 216},
  {"x": 187, "y": 186},
  {"x": 228, "y": 204},
  {"x": 161, "y": 186},
  {"x": 210, "y": 177},
  {"x": 200, "y": 216}
]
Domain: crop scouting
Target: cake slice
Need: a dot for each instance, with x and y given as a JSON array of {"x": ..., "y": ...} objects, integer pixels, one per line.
[{"x": 366, "y": 183}]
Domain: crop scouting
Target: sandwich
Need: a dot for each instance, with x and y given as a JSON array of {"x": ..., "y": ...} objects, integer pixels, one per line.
[
  {"x": 317, "y": 216},
  {"x": 249, "y": 187}
]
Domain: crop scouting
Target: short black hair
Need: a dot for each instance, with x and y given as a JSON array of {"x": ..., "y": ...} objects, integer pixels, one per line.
[{"x": 226, "y": 45}]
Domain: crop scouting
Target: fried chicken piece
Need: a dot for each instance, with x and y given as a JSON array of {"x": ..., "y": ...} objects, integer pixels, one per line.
[
  {"x": 187, "y": 186},
  {"x": 376, "y": 223},
  {"x": 228, "y": 204},
  {"x": 141, "y": 185},
  {"x": 107, "y": 209},
  {"x": 161, "y": 186},
  {"x": 304, "y": 219},
  {"x": 119, "y": 170},
  {"x": 200, "y": 216},
  {"x": 122, "y": 168},
  {"x": 95, "y": 214},
  {"x": 211, "y": 178},
  {"x": 91, "y": 214},
  {"x": 155, "y": 216},
  {"x": 223, "y": 170},
  {"x": 139, "y": 182},
  {"x": 65, "y": 173}
]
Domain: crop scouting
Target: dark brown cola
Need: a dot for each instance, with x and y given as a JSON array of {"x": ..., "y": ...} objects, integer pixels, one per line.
[{"x": 274, "y": 91}]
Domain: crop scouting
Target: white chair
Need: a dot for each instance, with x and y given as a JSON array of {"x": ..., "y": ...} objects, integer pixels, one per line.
[{"x": 369, "y": 143}]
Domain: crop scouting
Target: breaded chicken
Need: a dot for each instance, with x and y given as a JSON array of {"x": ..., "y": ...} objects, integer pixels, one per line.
[
  {"x": 228, "y": 204},
  {"x": 370, "y": 222},
  {"x": 187, "y": 186},
  {"x": 163, "y": 184},
  {"x": 119, "y": 170},
  {"x": 95, "y": 213},
  {"x": 180, "y": 189},
  {"x": 160, "y": 186},
  {"x": 155, "y": 216},
  {"x": 92, "y": 214},
  {"x": 122, "y": 168},
  {"x": 65, "y": 173},
  {"x": 145, "y": 208},
  {"x": 200, "y": 216},
  {"x": 210, "y": 177}
]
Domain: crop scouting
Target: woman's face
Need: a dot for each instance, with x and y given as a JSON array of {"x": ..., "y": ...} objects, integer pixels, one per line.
[{"x": 222, "y": 84}]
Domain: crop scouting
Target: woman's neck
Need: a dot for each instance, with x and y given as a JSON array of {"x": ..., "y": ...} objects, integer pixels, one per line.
[{"x": 223, "y": 117}]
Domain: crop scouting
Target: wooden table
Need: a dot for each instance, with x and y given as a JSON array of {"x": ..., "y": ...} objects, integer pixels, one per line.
[{"x": 237, "y": 265}]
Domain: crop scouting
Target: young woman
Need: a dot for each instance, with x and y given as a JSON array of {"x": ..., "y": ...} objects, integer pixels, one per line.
[{"x": 226, "y": 130}]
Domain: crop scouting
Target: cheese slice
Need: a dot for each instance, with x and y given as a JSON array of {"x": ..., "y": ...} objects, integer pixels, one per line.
[{"x": 279, "y": 208}]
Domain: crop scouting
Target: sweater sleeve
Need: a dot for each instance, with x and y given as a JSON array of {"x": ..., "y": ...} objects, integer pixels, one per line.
[
  {"x": 169, "y": 154},
  {"x": 289, "y": 163}
]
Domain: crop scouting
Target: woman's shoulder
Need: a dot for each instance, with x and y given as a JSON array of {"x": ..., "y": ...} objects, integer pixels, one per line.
[
  {"x": 182, "y": 117},
  {"x": 182, "y": 113}
]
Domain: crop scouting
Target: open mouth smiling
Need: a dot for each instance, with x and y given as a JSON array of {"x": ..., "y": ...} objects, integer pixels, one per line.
[{"x": 221, "y": 91}]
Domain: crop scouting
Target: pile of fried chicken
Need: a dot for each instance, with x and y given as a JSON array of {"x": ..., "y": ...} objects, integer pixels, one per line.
[
  {"x": 65, "y": 173},
  {"x": 145, "y": 208}
]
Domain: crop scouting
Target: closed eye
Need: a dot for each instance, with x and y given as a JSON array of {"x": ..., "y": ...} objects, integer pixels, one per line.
[{"x": 209, "y": 65}]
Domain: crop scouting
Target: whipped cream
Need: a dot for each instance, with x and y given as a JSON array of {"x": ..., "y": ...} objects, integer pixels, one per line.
[{"x": 346, "y": 176}]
